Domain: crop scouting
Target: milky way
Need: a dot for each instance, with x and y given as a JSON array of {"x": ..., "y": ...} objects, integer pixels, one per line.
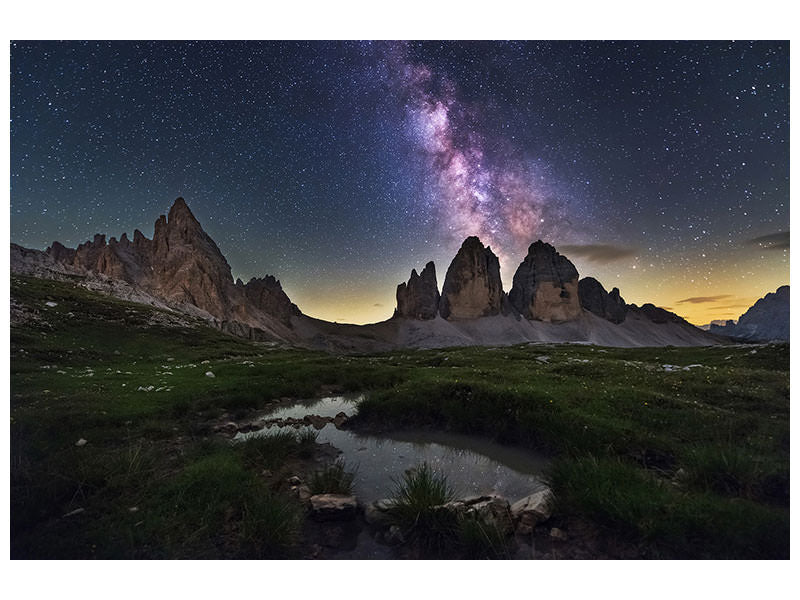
[
  {"x": 501, "y": 197},
  {"x": 658, "y": 167}
]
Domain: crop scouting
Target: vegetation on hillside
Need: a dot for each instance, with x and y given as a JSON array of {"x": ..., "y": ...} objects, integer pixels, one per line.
[{"x": 684, "y": 450}]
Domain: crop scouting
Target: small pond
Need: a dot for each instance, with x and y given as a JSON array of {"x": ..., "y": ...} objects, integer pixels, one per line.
[{"x": 473, "y": 465}]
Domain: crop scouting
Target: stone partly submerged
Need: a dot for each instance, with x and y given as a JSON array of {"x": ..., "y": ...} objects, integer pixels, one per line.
[{"x": 183, "y": 271}]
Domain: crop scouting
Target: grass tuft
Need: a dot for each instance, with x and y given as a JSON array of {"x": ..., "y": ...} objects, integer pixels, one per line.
[
  {"x": 415, "y": 500},
  {"x": 333, "y": 479}
]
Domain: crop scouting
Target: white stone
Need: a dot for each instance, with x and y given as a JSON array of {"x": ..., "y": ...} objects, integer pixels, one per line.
[
  {"x": 81, "y": 442},
  {"x": 210, "y": 374}
]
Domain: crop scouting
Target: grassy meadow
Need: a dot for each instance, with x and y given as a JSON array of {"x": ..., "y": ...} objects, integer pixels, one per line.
[{"x": 683, "y": 451}]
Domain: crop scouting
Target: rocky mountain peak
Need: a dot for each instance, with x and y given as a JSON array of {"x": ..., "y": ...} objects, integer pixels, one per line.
[
  {"x": 267, "y": 295},
  {"x": 419, "y": 298},
  {"x": 766, "y": 320},
  {"x": 472, "y": 286},
  {"x": 545, "y": 286},
  {"x": 181, "y": 218},
  {"x": 595, "y": 299}
]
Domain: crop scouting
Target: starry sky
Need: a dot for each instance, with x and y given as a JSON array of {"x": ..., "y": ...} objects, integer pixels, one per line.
[{"x": 661, "y": 168}]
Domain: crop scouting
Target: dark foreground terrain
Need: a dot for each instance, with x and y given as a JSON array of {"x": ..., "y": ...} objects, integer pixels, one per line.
[{"x": 664, "y": 452}]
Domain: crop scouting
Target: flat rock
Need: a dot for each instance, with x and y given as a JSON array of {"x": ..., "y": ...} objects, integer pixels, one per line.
[{"x": 333, "y": 507}]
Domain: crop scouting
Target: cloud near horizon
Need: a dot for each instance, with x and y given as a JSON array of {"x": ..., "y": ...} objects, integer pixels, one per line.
[
  {"x": 703, "y": 299},
  {"x": 772, "y": 241},
  {"x": 601, "y": 253}
]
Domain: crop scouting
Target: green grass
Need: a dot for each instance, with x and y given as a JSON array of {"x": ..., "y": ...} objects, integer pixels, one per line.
[
  {"x": 632, "y": 501},
  {"x": 708, "y": 447},
  {"x": 415, "y": 498},
  {"x": 333, "y": 479},
  {"x": 435, "y": 532}
]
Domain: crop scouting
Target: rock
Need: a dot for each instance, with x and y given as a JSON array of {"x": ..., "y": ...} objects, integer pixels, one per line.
[
  {"x": 333, "y": 507},
  {"x": 394, "y": 536},
  {"x": 419, "y": 298},
  {"x": 607, "y": 305},
  {"x": 303, "y": 493},
  {"x": 294, "y": 480},
  {"x": 377, "y": 514},
  {"x": 546, "y": 286},
  {"x": 493, "y": 512},
  {"x": 318, "y": 422},
  {"x": 81, "y": 442},
  {"x": 339, "y": 420},
  {"x": 230, "y": 428},
  {"x": 472, "y": 286},
  {"x": 383, "y": 505},
  {"x": 210, "y": 374},
  {"x": 50, "y": 304},
  {"x": 532, "y": 510}
]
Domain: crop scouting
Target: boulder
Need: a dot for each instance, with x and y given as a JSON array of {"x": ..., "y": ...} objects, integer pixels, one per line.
[
  {"x": 472, "y": 286},
  {"x": 340, "y": 419},
  {"x": 546, "y": 286},
  {"x": 333, "y": 507},
  {"x": 490, "y": 510},
  {"x": 493, "y": 512},
  {"x": 531, "y": 510}
]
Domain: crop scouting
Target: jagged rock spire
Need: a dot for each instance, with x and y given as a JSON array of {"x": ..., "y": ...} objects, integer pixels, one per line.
[{"x": 419, "y": 298}]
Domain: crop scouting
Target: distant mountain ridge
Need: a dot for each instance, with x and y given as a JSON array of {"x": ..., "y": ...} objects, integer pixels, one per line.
[
  {"x": 765, "y": 321},
  {"x": 182, "y": 269}
]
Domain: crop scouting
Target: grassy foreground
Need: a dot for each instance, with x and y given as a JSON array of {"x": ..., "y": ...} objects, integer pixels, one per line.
[{"x": 690, "y": 459}]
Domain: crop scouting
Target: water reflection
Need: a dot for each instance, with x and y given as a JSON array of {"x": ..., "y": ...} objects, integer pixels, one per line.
[{"x": 473, "y": 465}]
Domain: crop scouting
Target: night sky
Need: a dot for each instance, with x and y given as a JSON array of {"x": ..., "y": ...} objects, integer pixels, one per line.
[{"x": 658, "y": 167}]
